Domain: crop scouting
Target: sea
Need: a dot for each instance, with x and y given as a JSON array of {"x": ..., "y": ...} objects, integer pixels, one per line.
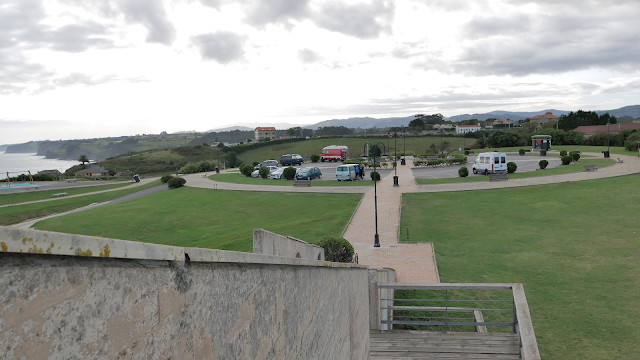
[{"x": 20, "y": 163}]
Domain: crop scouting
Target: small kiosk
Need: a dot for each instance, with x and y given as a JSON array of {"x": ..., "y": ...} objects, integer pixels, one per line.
[{"x": 541, "y": 142}]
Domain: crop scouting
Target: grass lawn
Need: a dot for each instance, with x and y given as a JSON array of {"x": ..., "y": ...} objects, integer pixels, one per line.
[
  {"x": 593, "y": 149},
  {"x": 241, "y": 179},
  {"x": 575, "y": 247},
  {"x": 215, "y": 219},
  {"x": 19, "y": 213},
  {"x": 574, "y": 167},
  {"x": 33, "y": 195}
]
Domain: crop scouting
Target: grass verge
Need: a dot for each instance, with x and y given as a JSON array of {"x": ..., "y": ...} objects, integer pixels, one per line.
[
  {"x": 241, "y": 179},
  {"x": 568, "y": 169},
  {"x": 19, "y": 213},
  {"x": 574, "y": 246},
  {"x": 33, "y": 195},
  {"x": 215, "y": 219}
]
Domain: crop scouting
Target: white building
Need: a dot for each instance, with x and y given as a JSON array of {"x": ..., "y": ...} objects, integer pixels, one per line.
[
  {"x": 463, "y": 129},
  {"x": 265, "y": 132}
]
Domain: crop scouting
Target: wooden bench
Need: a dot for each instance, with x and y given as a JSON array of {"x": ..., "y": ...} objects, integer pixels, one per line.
[
  {"x": 502, "y": 176},
  {"x": 72, "y": 180},
  {"x": 590, "y": 168},
  {"x": 302, "y": 183},
  {"x": 61, "y": 194},
  {"x": 431, "y": 158}
]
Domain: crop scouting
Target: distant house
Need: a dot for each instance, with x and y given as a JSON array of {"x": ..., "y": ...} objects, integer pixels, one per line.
[
  {"x": 50, "y": 172},
  {"x": 444, "y": 127},
  {"x": 501, "y": 121},
  {"x": 463, "y": 129},
  {"x": 92, "y": 171},
  {"x": 541, "y": 119},
  {"x": 613, "y": 128},
  {"x": 265, "y": 132}
]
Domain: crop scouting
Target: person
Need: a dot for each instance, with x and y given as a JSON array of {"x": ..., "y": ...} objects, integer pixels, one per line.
[
  {"x": 357, "y": 172},
  {"x": 361, "y": 171}
]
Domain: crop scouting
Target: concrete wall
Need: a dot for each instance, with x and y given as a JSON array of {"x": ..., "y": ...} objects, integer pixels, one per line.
[
  {"x": 120, "y": 299},
  {"x": 268, "y": 243},
  {"x": 376, "y": 313}
]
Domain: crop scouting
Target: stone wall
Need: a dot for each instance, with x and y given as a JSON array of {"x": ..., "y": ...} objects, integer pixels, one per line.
[
  {"x": 205, "y": 304},
  {"x": 268, "y": 243}
]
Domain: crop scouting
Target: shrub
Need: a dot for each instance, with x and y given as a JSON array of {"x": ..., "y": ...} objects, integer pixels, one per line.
[
  {"x": 566, "y": 160},
  {"x": 521, "y": 152},
  {"x": 176, "y": 182},
  {"x": 315, "y": 158},
  {"x": 511, "y": 167},
  {"x": 631, "y": 144},
  {"x": 165, "y": 179},
  {"x": 466, "y": 152},
  {"x": 264, "y": 172},
  {"x": 575, "y": 156},
  {"x": 543, "y": 152},
  {"x": 543, "y": 164},
  {"x": 376, "y": 174},
  {"x": 563, "y": 153},
  {"x": 255, "y": 163},
  {"x": 336, "y": 249},
  {"x": 463, "y": 172},
  {"x": 289, "y": 173},
  {"x": 189, "y": 168},
  {"x": 237, "y": 164},
  {"x": 246, "y": 170},
  {"x": 231, "y": 159}
]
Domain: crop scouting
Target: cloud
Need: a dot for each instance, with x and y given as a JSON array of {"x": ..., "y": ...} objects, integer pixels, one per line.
[
  {"x": 497, "y": 25},
  {"x": 153, "y": 16},
  {"x": 362, "y": 20},
  {"x": 261, "y": 13},
  {"x": 308, "y": 56},
  {"x": 223, "y": 47}
]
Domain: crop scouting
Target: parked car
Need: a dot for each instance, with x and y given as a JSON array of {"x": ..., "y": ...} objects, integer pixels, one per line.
[
  {"x": 490, "y": 163},
  {"x": 256, "y": 173},
  {"x": 346, "y": 172},
  {"x": 266, "y": 163},
  {"x": 277, "y": 175},
  {"x": 309, "y": 174},
  {"x": 290, "y": 160}
]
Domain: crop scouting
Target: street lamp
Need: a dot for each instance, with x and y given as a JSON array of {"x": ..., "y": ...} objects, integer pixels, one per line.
[
  {"x": 608, "y": 123},
  {"x": 404, "y": 148},
  {"x": 395, "y": 160},
  {"x": 217, "y": 161},
  {"x": 374, "y": 150}
]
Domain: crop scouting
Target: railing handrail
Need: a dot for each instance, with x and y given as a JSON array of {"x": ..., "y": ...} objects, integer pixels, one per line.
[{"x": 447, "y": 286}]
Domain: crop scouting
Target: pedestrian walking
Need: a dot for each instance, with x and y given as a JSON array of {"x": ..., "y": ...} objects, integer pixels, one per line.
[{"x": 357, "y": 172}]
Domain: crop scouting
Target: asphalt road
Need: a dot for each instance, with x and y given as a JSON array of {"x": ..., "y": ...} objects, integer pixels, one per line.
[
  {"x": 525, "y": 164},
  {"x": 328, "y": 170}
]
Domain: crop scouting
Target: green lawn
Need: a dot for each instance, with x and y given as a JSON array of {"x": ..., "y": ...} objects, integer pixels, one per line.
[
  {"x": 593, "y": 149},
  {"x": 418, "y": 145},
  {"x": 215, "y": 219},
  {"x": 19, "y": 213},
  {"x": 571, "y": 168},
  {"x": 241, "y": 179},
  {"x": 33, "y": 195},
  {"x": 574, "y": 246}
]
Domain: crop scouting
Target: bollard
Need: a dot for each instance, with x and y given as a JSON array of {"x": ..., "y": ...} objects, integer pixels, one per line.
[{"x": 407, "y": 233}]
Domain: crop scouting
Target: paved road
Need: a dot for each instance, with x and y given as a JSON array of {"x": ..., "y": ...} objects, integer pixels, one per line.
[{"x": 525, "y": 164}]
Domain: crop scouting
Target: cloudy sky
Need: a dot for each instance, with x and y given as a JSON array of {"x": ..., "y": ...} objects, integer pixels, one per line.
[{"x": 76, "y": 68}]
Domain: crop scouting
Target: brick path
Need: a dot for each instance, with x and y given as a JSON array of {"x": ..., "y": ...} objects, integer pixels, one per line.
[{"x": 414, "y": 263}]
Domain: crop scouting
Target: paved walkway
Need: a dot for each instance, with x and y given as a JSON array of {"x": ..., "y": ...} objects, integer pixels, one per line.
[{"x": 413, "y": 262}]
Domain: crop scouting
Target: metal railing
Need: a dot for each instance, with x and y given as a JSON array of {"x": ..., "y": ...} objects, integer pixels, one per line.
[{"x": 445, "y": 309}]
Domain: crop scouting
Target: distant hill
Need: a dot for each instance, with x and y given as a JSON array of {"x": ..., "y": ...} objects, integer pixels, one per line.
[
  {"x": 364, "y": 122},
  {"x": 633, "y": 111},
  {"x": 231, "y": 128}
]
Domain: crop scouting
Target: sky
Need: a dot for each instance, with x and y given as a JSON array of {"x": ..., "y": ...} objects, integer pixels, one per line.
[{"x": 81, "y": 69}]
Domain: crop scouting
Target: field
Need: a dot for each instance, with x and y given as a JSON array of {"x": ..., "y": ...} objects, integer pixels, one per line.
[
  {"x": 215, "y": 219},
  {"x": 574, "y": 246},
  {"x": 574, "y": 167},
  {"x": 241, "y": 179},
  {"x": 33, "y": 195},
  {"x": 19, "y": 213}
]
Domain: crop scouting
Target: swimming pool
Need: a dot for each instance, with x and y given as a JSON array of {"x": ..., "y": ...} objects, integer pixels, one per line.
[{"x": 14, "y": 186}]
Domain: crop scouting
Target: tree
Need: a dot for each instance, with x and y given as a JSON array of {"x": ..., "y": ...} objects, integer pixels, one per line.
[
  {"x": 231, "y": 159},
  {"x": 291, "y": 132},
  {"x": 83, "y": 159},
  {"x": 417, "y": 123}
]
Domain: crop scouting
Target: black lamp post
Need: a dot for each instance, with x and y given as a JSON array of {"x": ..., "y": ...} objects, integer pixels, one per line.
[
  {"x": 608, "y": 123},
  {"x": 404, "y": 148},
  {"x": 395, "y": 160},
  {"x": 374, "y": 150},
  {"x": 217, "y": 161}
]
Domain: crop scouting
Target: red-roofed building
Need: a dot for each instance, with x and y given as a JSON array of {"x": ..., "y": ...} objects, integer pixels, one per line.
[
  {"x": 541, "y": 119},
  {"x": 613, "y": 128},
  {"x": 265, "y": 132}
]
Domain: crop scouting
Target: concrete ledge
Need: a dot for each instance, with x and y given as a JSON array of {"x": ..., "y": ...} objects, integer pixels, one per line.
[{"x": 29, "y": 241}]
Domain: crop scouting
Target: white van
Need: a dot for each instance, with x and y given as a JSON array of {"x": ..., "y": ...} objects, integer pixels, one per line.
[
  {"x": 346, "y": 172},
  {"x": 490, "y": 163}
]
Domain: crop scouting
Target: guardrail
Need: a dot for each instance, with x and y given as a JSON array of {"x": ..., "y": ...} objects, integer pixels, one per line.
[{"x": 443, "y": 316}]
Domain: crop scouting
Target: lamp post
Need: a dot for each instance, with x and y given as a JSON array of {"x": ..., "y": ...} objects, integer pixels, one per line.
[
  {"x": 374, "y": 150},
  {"x": 217, "y": 161},
  {"x": 404, "y": 148},
  {"x": 395, "y": 160},
  {"x": 608, "y": 123}
]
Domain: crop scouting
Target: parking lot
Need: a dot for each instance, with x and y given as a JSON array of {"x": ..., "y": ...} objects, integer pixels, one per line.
[
  {"x": 328, "y": 170},
  {"x": 525, "y": 164}
]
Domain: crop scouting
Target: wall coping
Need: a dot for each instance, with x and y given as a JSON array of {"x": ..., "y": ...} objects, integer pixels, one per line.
[{"x": 30, "y": 241}]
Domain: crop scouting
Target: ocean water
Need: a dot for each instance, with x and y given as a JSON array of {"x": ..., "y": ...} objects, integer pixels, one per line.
[{"x": 17, "y": 164}]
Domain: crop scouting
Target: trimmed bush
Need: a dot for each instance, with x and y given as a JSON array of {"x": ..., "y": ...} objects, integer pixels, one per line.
[
  {"x": 176, "y": 182},
  {"x": 563, "y": 153},
  {"x": 246, "y": 170},
  {"x": 165, "y": 179},
  {"x": 336, "y": 249},
  {"x": 289, "y": 173},
  {"x": 376, "y": 174},
  {"x": 566, "y": 160},
  {"x": 466, "y": 152},
  {"x": 264, "y": 172},
  {"x": 521, "y": 152},
  {"x": 255, "y": 163},
  {"x": 315, "y": 158},
  {"x": 543, "y": 152},
  {"x": 543, "y": 164},
  {"x": 511, "y": 167},
  {"x": 575, "y": 156},
  {"x": 463, "y": 172}
]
